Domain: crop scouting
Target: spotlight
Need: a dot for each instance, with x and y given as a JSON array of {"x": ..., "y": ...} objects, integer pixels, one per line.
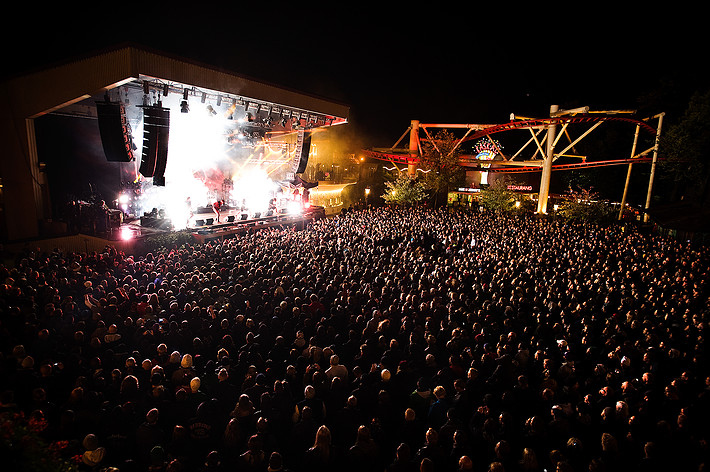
[
  {"x": 210, "y": 110},
  {"x": 184, "y": 106},
  {"x": 219, "y": 100},
  {"x": 165, "y": 90},
  {"x": 126, "y": 234},
  {"x": 231, "y": 110}
]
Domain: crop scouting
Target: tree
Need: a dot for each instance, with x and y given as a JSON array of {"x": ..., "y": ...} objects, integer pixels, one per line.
[
  {"x": 497, "y": 197},
  {"x": 686, "y": 149},
  {"x": 440, "y": 161},
  {"x": 584, "y": 205},
  {"x": 404, "y": 190}
]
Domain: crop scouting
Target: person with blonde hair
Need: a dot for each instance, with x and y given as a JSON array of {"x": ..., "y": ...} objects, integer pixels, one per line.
[
  {"x": 320, "y": 456},
  {"x": 437, "y": 411}
]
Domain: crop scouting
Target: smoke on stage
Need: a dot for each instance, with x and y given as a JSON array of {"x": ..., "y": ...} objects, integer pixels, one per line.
[{"x": 213, "y": 154}]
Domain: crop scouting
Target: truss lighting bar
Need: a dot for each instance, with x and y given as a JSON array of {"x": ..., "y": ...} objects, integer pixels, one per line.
[{"x": 258, "y": 105}]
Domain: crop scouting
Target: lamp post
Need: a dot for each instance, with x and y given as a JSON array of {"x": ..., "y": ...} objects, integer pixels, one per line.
[{"x": 367, "y": 194}]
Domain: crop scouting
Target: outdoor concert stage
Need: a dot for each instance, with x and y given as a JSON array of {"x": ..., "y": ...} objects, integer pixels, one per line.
[{"x": 204, "y": 226}]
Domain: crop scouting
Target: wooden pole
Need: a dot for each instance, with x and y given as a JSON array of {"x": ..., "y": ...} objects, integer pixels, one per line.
[
  {"x": 653, "y": 168},
  {"x": 628, "y": 174}
]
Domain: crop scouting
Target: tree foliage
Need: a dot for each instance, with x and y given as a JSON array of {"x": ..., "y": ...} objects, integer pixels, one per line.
[
  {"x": 440, "y": 160},
  {"x": 585, "y": 206},
  {"x": 404, "y": 190},
  {"x": 497, "y": 197},
  {"x": 686, "y": 147}
]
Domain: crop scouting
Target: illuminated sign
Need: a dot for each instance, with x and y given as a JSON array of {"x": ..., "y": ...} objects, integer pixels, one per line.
[
  {"x": 486, "y": 149},
  {"x": 469, "y": 190},
  {"x": 520, "y": 188}
]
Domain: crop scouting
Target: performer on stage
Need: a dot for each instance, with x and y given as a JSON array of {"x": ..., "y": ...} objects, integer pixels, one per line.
[
  {"x": 217, "y": 208},
  {"x": 190, "y": 213},
  {"x": 101, "y": 223}
]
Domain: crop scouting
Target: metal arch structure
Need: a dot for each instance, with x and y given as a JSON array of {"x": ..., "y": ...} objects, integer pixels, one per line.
[
  {"x": 544, "y": 137},
  {"x": 544, "y": 123}
]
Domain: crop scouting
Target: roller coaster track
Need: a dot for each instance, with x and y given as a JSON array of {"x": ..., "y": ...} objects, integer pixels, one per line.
[
  {"x": 545, "y": 122},
  {"x": 475, "y": 165},
  {"x": 403, "y": 157},
  {"x": 578, "y": 165}
]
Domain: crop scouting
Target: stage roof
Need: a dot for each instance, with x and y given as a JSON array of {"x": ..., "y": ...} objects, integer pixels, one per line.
[
  {"x": 71, "y": 82},
  {"x": 73, "y": 87}
]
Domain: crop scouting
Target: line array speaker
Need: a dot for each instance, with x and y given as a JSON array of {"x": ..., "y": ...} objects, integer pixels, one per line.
[
  {"x": 304, "y": 154},
  {"x": 156, "y": 134},
  {"x": 115, "y": 132}
]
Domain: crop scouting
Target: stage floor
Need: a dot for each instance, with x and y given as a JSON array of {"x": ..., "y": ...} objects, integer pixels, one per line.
[{"x": 204, "y": 224}]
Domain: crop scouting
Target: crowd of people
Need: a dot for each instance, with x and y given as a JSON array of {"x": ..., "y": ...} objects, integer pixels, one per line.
[{"x": 383, "y": 339}]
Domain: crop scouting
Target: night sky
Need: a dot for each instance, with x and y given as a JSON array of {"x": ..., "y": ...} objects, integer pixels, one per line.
[
  {"x": 438, "y": 63},
  {"x": 434, "y": 63}
]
